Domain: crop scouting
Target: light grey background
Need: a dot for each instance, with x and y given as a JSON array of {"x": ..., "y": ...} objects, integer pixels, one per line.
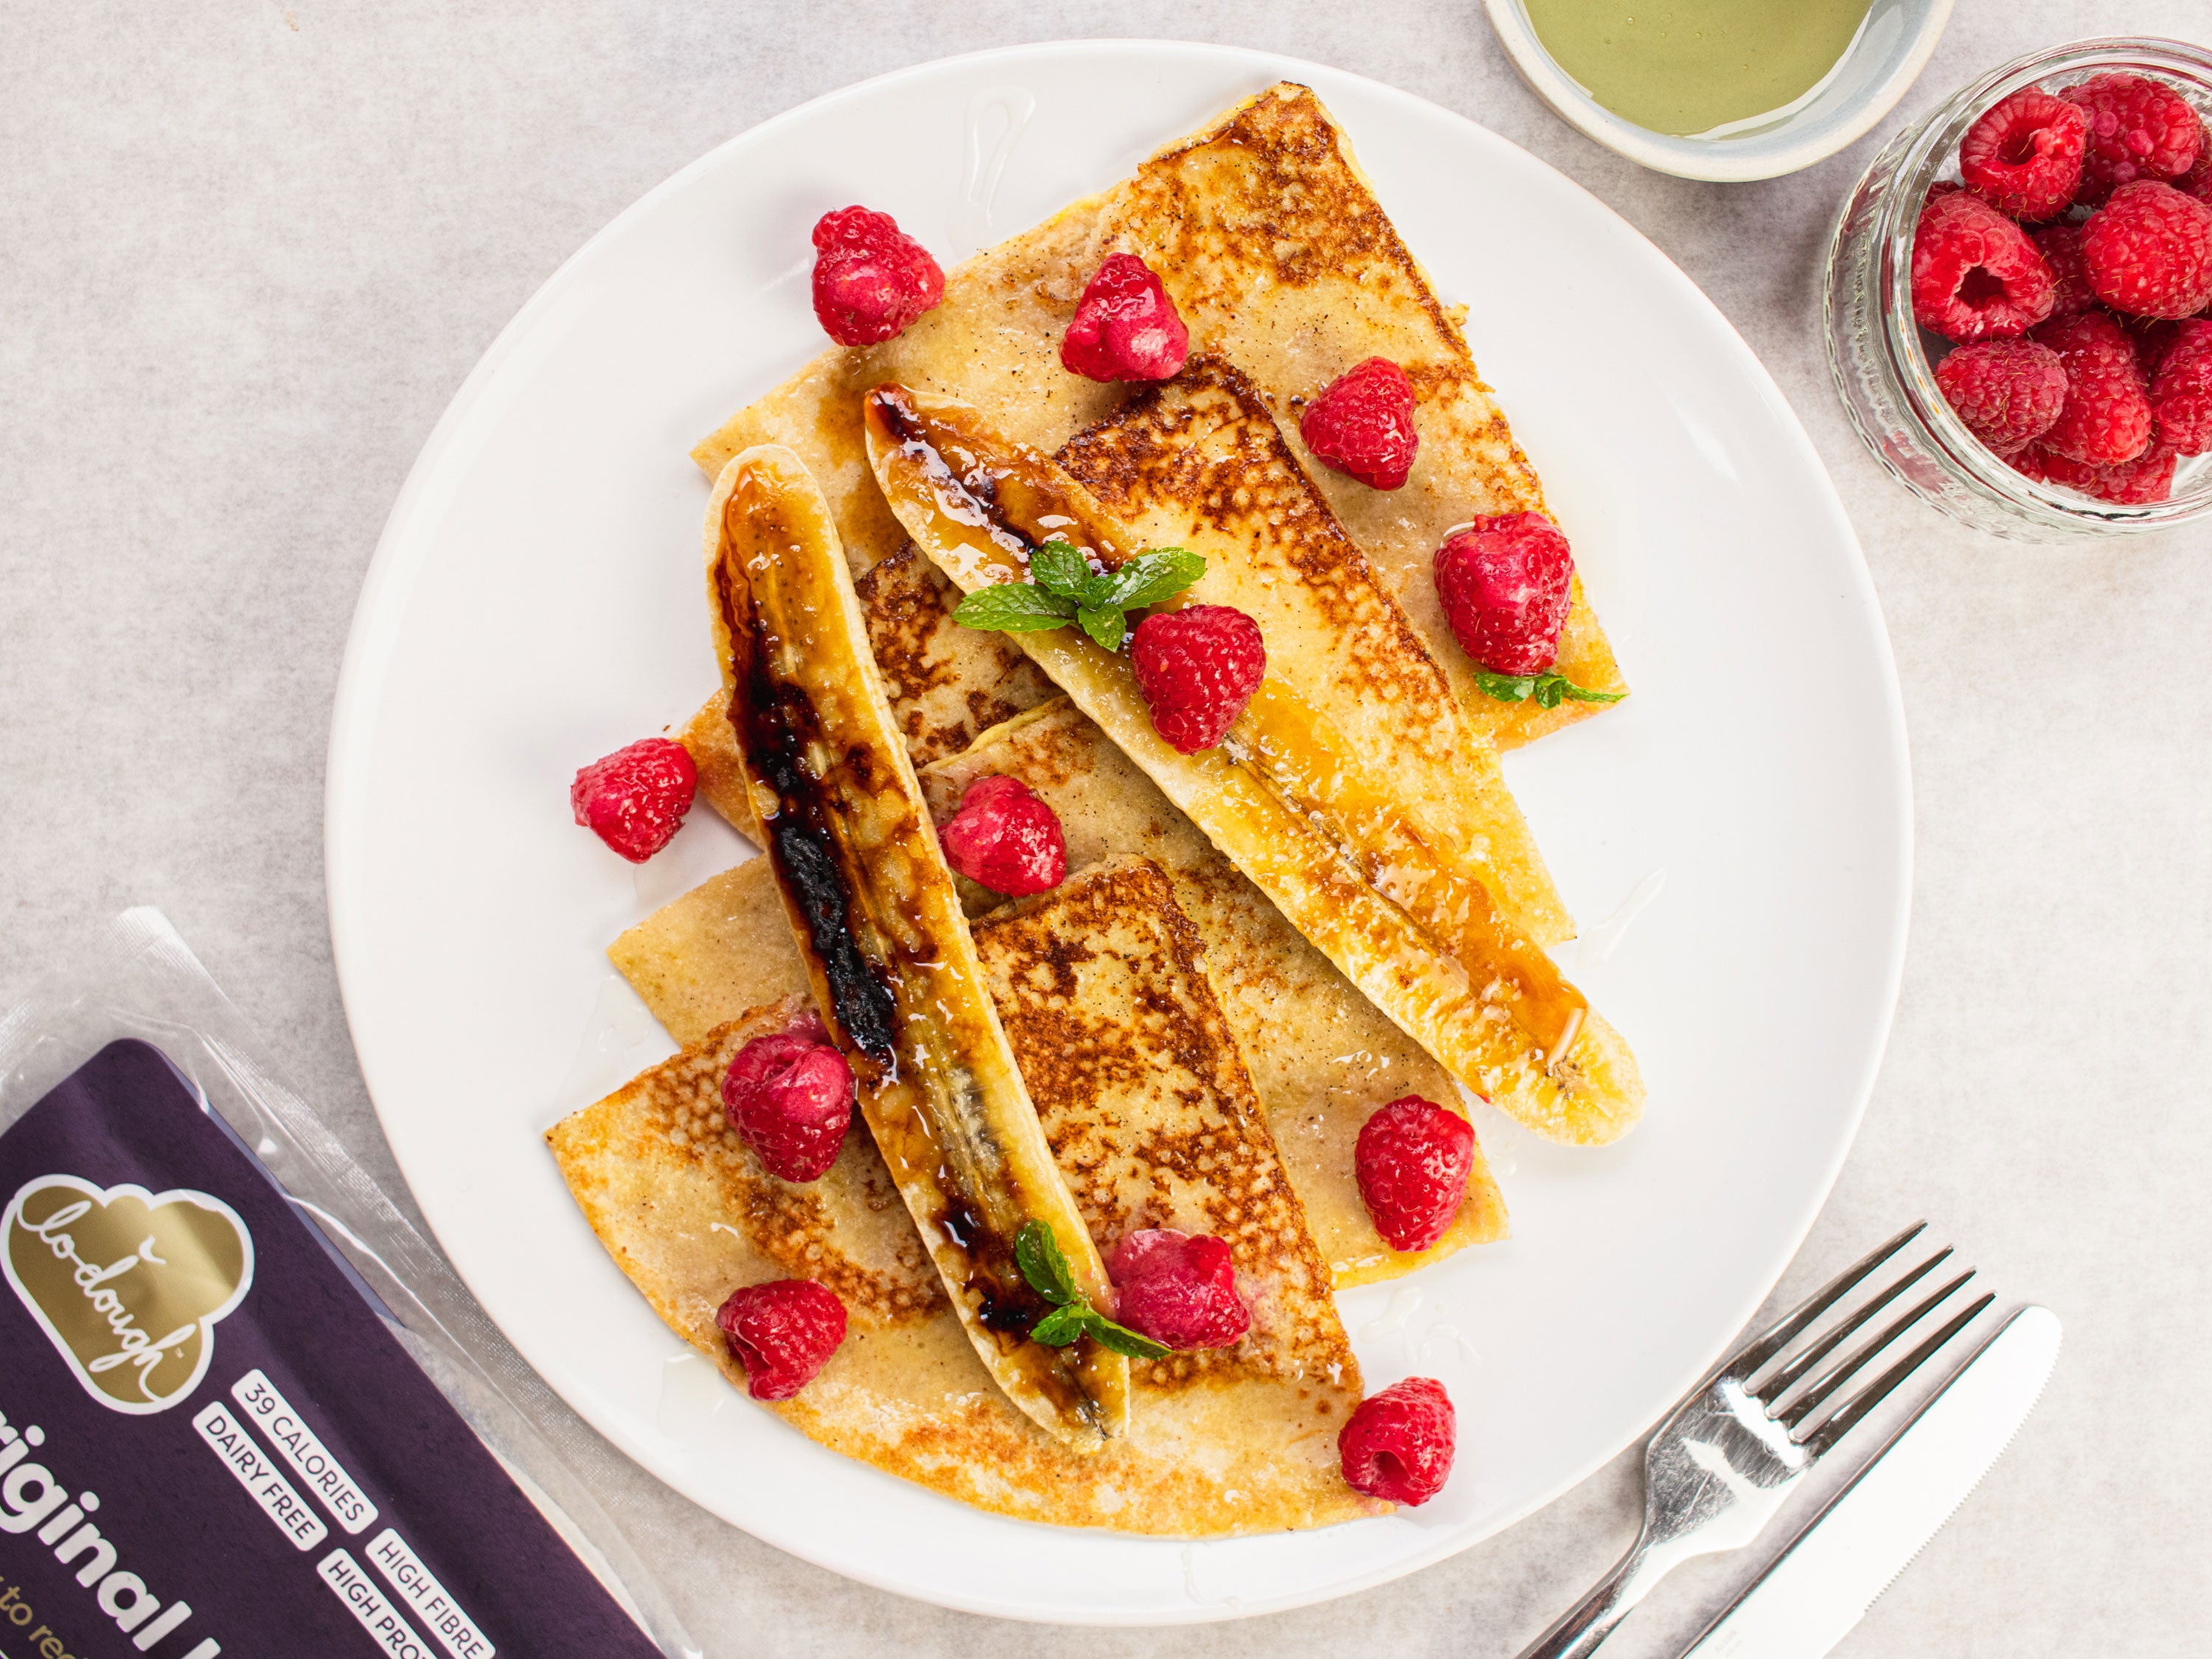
[{"x": 247, "y": 254}]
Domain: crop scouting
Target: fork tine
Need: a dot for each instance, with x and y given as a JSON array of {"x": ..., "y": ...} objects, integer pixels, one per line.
[
  {"x": 1783, "y": 1380},
  {"x": 1750, "y": 1359},
  {"x": 1818, "y": 1392},
  {"x": 1848, "y": 1415}
]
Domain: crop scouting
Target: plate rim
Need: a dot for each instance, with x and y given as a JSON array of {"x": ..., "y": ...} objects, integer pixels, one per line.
[{"x": 387, "y": 584}]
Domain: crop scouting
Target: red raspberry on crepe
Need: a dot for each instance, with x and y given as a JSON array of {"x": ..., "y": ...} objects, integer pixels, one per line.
[
  {"x": 782, "y": 1332},
  {"x": 1362, "y": 425},
  {"x": 1179, "y": 1289},
  {"x": 871, "y": 279},
  {"x": 1126, "y": 327}
]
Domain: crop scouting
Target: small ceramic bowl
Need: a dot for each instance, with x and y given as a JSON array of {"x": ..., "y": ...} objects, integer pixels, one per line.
[{"x": 1883, "y": 59}]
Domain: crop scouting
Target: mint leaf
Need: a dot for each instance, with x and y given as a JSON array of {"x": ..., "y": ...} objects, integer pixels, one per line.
[
  {"x": 1548, "y": 690},
  {"x": 1064, "y": 588},
  {"x": 1149, "y": 578},
  {"x": 1059, "y": 568},
  {"x": 1118, "y": 1338},
  {"x": 1061, "y": 1327},
  {"x": 1106, "y": 626},
  {"x": 1038, "y": 1253},
  {"x": 1013, "y": 607}
]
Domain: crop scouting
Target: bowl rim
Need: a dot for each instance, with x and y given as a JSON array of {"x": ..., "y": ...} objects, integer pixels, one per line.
[{"x": 1713, "y": 161}]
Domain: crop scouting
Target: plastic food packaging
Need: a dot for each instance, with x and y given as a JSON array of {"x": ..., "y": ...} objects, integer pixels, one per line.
[{"x": 244, "y": 1407}]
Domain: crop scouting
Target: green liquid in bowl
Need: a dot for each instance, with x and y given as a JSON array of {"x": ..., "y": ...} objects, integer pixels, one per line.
[{"x": 1687, "y": 66}]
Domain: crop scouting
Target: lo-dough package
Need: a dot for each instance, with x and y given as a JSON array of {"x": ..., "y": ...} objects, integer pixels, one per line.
[{"x": 245, "y": 1408}]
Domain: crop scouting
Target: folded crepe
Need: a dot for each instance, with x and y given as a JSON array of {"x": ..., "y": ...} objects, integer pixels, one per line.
[
  {"x": 1199, "y": 463},
  {"x": 1133, "y": 1062},
  {"x": 1271, "y": 243},
  {"x": 1321, "y": 826},
  {"x": 1322, "y": 1055},
  {"x": 1281, "y": 260}
]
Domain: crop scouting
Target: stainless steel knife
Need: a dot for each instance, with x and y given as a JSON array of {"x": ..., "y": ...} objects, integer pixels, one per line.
[{"x": 1828, "y": 1576}]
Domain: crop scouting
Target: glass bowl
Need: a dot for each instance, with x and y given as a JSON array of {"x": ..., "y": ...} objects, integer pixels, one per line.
[{"x": 1879, "y": 357}]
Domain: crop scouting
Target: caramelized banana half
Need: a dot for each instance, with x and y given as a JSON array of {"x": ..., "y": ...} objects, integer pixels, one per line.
[
  {"x": 1314, "y": 825},
  {"x": 878, "y": 923}
]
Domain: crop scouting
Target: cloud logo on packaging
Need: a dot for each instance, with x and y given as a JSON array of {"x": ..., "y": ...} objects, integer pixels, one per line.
[{"x": 128, "y": 1283}]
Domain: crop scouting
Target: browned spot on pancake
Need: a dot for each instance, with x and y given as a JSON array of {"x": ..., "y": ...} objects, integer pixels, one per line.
[
  {"x": 945, "y": 683},
  {"x": 1153, "y": 1117},
  {"x": 1297, "y": 212},
  {"x": 1205, "y": 443}
]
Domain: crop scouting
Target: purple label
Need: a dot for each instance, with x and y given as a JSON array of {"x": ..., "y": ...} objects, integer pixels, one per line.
[{"x": 211, "y": 1442}]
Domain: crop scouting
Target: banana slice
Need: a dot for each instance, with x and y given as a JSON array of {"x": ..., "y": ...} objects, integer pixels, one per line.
[
  {"x": 879, "y": 926},
  {"x": 1313, "y": 823}
]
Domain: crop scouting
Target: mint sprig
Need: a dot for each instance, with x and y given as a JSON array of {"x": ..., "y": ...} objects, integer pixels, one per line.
[
  {"x": 1547, "y": 691},
  {"x": 1038, "y": 1253},
  {"x": 1063, "y": 588}
]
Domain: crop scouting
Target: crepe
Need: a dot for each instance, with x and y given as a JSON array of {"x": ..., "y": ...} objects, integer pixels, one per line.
[
  {"x": 1199, "y": 463},
  {"x": 1108, "y": 1004},
  {"x": 1273, "y": 247},
  {"x": 1282, "y": 261},
  {"x": 889, "y": 954},
  {"x": 1323, "y": 1057},
  {"x": 1317, "y": 825}
]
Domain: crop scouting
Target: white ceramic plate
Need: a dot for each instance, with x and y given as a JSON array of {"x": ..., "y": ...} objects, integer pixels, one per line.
[{"x": 537, "y": 602}]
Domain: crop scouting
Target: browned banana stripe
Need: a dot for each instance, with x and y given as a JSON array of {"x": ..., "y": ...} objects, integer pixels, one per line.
[
  {"x": 878, "y": 922},
  {"x": 1434, "y": 954}
]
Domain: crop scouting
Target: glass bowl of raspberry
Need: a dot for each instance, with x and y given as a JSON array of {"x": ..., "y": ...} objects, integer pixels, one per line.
[{"x": 2018, "y": 296}]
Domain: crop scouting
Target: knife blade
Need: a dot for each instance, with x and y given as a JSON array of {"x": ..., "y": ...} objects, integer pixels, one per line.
[{"x": 1829, "y": 1574}]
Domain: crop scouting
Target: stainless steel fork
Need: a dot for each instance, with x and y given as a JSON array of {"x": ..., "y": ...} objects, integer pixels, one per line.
[{"x": 1728, "y": 1457}]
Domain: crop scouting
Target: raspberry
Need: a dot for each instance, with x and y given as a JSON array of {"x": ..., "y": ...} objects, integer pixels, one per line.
[
  {"x": 2148, "y": 478},
  {"x": 1975, "y": 275},
  {"x": 2138, "y": 129},
  {"x": 1179, "y": 1289},
  {"x": 791, "y": 1097},
  {"x": 2152, "y": 337},
  {"x": 635, "y": 799},
  {"x": 1507, "y": 584},
  {"x": 1412, "y": 1158},
  {"x": 1362, "y": 425},
  {"x": 782, "y": 1332},
  {"x": 871, "y": 279},
  {"x": 2007, "y": 392},
  {"x": 1398, "y": 1444},
  {"x": 1125, "y": 328},
  {"x": 2198, "y": 181},
  {"x": 2024, "y": 155},
  {"x": 1197, "y": 667},
  {"x": 2061, "y": 248},
  {"x": 1006, "y": 838},
  {"x": 2181, "y": 391},
  {"x": 2149, "y": 250},
  {"x": 2106, "y": 419}
]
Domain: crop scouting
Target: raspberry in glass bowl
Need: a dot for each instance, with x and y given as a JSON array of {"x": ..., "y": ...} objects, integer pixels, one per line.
[{"x": 2018, "y": 297}]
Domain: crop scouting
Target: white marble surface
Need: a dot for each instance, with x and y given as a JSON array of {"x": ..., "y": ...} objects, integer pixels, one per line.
[{"x": 247, "y": 253}]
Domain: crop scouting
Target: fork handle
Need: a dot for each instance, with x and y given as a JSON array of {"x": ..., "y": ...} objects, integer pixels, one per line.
[{"x": 1590, "y": 1620}]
